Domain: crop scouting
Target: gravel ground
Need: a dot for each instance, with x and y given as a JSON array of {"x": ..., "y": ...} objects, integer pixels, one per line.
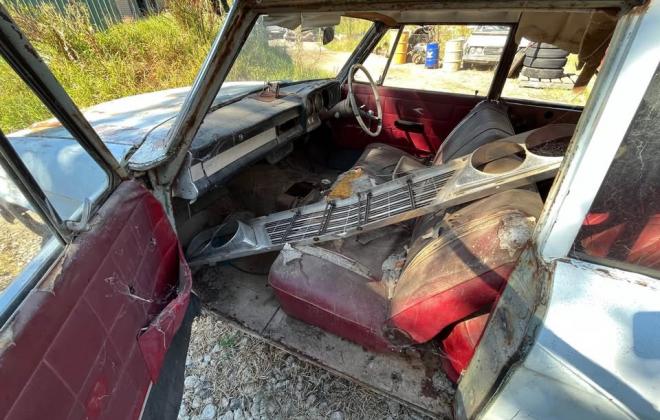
[{"x": 232, "y": 375}]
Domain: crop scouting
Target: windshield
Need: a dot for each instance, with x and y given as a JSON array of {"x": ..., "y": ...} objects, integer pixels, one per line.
[{"x": 275, "y": 53}]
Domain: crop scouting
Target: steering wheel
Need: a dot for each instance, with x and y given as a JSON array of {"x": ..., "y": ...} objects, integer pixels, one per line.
[{"x": 360, "y": 114}]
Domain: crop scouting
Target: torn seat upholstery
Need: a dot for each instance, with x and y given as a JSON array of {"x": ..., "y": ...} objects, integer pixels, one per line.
[
  {"x": 457, "y": 273},
  {"x": 405, "y": 283}
]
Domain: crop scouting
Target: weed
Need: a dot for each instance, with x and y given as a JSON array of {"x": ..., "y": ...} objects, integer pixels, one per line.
[{"x": 227, "y": 341}]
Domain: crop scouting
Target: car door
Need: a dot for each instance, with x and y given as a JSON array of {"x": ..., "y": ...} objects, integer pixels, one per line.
[
  {"x": 95, "y": 323},
  {"x": 416, "y": 121}
]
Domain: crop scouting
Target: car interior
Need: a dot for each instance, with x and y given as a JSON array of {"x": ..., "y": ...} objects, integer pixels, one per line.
[
  {"x": 400, "y": 308},
  {"x": 412, "y": 297},
  {"x": 395, "y": 292}
]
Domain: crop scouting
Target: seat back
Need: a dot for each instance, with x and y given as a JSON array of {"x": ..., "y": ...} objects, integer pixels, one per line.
[
  {"x": 488, "y": 121},
  {"x": 461, "y": 271}
]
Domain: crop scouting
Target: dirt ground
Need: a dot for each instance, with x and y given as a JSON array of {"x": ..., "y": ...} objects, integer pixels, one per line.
[{"x": 464, "y": 81}]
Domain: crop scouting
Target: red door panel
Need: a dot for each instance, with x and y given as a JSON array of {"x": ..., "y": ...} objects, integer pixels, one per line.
[
  {"x": 438, "y": 112},
  {"x": 88, "y": 340}
]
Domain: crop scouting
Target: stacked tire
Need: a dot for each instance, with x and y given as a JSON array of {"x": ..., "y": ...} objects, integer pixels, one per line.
[{"x": 544, "y": 61}]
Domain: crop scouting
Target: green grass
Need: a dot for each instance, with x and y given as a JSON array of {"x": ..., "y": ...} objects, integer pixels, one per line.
[
  {"x": 227, "y": 341},
  {"x": 151, "y": 54},
  {"x": 348, "y": 34},
  {"x": 96, "y": 66},
  {"x": 259, "y": 60}
]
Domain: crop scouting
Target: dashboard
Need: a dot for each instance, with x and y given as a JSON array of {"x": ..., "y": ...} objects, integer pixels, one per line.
[{"x": 253, "y": 127}]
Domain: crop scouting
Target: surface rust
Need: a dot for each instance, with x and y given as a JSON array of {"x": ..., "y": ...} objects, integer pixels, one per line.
[{"x": 344, "y": 186}]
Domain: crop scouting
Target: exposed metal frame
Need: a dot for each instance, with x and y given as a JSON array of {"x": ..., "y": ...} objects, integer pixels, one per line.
[
  {"x": 381, "y": 79},
  {"x": 366, "y": 5},
  {"x": 27, "y": 63},
  {"x": 419, "y": 192}
]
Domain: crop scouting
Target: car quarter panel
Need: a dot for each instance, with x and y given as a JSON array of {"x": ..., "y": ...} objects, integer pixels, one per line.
[{"x": 598, "y": 350}]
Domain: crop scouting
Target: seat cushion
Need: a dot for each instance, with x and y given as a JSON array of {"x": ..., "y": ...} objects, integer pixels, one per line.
[
  {"x": 459, "y": 345},
  {"x": 326, "y": 288},
  {"x": 486, "y": 122},
  {"x": 380, "y": 161},
  {"x": 462, "y": 270},
  {"x": 457, "y": 274}
]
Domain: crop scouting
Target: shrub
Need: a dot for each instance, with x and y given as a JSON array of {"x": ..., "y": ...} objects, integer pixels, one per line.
[{"x": 197, "y": 16}]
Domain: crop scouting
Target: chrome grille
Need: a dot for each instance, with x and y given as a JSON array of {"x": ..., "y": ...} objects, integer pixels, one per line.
[{"x": 338, "y": 219}]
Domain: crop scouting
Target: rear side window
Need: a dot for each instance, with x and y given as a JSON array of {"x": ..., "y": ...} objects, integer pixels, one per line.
[{"x": 622, "y": 228}]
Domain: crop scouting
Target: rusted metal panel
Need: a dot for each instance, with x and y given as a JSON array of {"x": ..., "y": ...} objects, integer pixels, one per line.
[
  {"x": 595, "y": 355},
  {"x": 508, "y": 335}
]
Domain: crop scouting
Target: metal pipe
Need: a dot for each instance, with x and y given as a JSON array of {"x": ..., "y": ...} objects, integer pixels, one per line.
[
  {"x": 510, "y": 49},
  {"x": 381, "y": 80}
]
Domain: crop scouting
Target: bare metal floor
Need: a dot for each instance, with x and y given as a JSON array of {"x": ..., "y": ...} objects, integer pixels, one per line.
[{"x": 240, "y": 295}]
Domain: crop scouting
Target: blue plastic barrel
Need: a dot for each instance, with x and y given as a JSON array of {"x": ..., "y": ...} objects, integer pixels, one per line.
[{"x": 432, "y": 54}]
